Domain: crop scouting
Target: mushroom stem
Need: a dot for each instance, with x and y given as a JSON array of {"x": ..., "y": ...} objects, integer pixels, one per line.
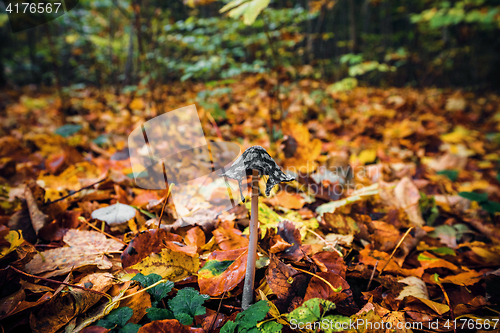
[{"x": 248, "y": 288}]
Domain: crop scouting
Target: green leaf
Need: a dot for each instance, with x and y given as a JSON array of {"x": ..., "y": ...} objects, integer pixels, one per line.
[
  {"x": 158, "y": 292},
  {"x": 216, "y": 267},
  {"x": 451, "y": 174},
  {"x": 159, "y": 314},
  {"x": 310, "y": 310},
  {"x": 117, "y": 317},
  {"x": 236, "y": 12},
  {"x": 68, "y": 129},
  {"x": 228, "y": 327},
  {"x": 268, "y": 218},
  {"x": 491, "y": 206},
  {"x": 332, "y": 321},
  {"x": 187, "y": 304},
  {"x": 129, "y": 328},
  {"x": 473, "y": 196},
  {"x": 101, "y": 139},
  {"x": 251, "y": 316},
  {"x": 253, "y": 10},
  {"x": 247, "y": 320},
  {"x": 444, "y": 251},
  {"x": 271, "y": 327},
  {"x": 231, "y": 5},
  {"x": 423, "y": 257}
]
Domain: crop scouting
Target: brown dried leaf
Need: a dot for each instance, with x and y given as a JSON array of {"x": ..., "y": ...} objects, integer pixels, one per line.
[
  {"x": 223, "y": 271},
  {"x": 85, "y": 248},
  {"x": 228, "y": 237},
  {"x": 60, "y": 310},
  {"x": 147, "y": 242}
]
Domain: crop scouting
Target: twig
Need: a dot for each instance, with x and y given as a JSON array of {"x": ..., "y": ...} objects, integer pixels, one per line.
[
  {"x": 337, "y": 290},
  {"x": 326, "y": 242},
  {"x": 436, "y": 278},
  {"x": 248, "y": 287},
  {"x": 83, "y": 188},
  {"x": 164, "y": 204},
  {"x": 82, "y": 219},
  {"x": 217, "y": 313},
  {"x": 214, "y": 125},
  {"x": 111, "y": 302},
  {"x": 395, "y": 249},
  {"x": 64, "y": 283},
  {"x": 371, "y": 277}
]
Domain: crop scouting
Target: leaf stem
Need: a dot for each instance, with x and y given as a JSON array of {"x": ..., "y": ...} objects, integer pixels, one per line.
[
  {"x": 82, "y": 219},
  {"x": 337, "y": 290},
  {"x": 395, "y": 249}
]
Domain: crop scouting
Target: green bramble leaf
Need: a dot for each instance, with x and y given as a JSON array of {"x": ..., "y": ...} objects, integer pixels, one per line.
[
  {"x": 229, "y": 327},
  {"x": 158, "y": 292},
  {"x": 159, "y": 314},
  {"x": 187, "y": 304},
  {"x": 117, "y": 317},
  {"x": 129, "y": 328},
  {"x": 247, "y": 320},
  {"x": 311, "y": 310}
]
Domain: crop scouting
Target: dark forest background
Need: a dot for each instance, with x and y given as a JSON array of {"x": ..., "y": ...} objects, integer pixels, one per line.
[{"x": 123, "y": 43}]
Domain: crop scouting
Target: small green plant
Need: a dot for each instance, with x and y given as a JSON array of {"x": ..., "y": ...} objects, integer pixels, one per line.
[
  {"x": 316, "y": 310},
  {"x": 429, "y": 209},
  {"x": 184, "y": 306},
  {"x": 247, "y": 320},
  {"x": 116, "y": 321},
  {"x": 482, "y": 198}
]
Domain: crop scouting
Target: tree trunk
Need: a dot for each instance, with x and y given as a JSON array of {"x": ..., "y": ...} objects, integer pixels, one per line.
[
  {"x": 129, "y": 64},
  {"x": 352, "y": 27}
]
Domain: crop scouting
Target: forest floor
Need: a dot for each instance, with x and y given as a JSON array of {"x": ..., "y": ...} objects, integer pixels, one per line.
[{"x": 392, "y": 223}]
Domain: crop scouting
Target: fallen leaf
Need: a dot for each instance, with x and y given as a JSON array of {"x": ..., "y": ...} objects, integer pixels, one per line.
[
  {"x": 145, "y": 243},
  {"x": 287, "y": 200},
  {"x": 286, "y": 282},
  {"x": 341, "y": 224},
  {"x": 317, "y": 288},
  {"x": 60, "y": 310},
  {"x": 223, "y": 271},
  {"x": 407, "y": 197},
  {"x": 415, "y": 287},
  {"x": 13, "y": 239},
  {"x": 330, "y": 262},
  {"x": 228, "y": 237},
  {"x": 463, "y": 279},
  {"x": 307, "y": 151},
  {"x": 171, "y": 265},
  {"x": 289, "y": 234},
  {"x": 85, "y": 248},
  {"x": 38, "y": 219}
]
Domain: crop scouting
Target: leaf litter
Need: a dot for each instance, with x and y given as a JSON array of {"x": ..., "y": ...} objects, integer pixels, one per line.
[{"x": 393, "y": 217}]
